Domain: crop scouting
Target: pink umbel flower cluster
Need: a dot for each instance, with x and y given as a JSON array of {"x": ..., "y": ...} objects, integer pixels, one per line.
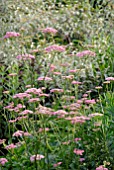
[
  {"x": 86, "y": 53},
  {"x": 110, "y": 79},
  {"x": 78, "y": 151},
  {"x": 20, "y": 133},
  {"x": 55, "y": 48},
  {"x": 11, "y": 34},
  {"x": 50, "y": 30},
  {"x": 57, "y": 164},
  {"x": 44, "y": 78},
  {"x": 22, "y": 95},
  {"x": 101, "y": 167},
  {"x": 25, "y": 57},
  {"x": 36, "y": 157},
  {"x": 3, "y": 161},
  {"x": 56, "y": 90},
  {"x": 34, "y": 91},
  {"x": 11, "y": 146}
]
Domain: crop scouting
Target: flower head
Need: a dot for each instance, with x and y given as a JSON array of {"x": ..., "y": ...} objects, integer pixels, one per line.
[
  {"x": 3, "y": 161},
  {"x": 36, "y": 157},
  {"x": 50, "y": 30},
  {"x": 11, "y": 34}
]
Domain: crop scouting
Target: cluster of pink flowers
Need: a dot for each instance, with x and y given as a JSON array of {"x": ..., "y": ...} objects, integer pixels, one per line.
[
  {"x": 55, "y": 48},
  {"x": 2, "y": 141},
  {"x": 22, "y": 95},
  {"x": 57, "y": 164},
  {"x": 50, "y": 30},
  {"x": 110, "y": 79},
  {"x": 34, "y": 91},
  {"x": 11, "y": 34},
  {"x": 3, "y": 161},
  {"x": 76, "y": 82},
  {"x": 25, "y": 57},
  {"x": 91, "y": 101},
  {"x": 25, "y": 112},
  {"x": 11, "y": 146},
  {"x": 86, "y": 53},
  {"x": 101, "y": 167},
  {"x": 44, "y": 78},
  {"x": 95, "y": 114},
  {"x": 78, "y": 151},
  {"x": 20, "y": 133},
  {"x": 56, "y": 90},
  {"x": 36, "y": 157}
]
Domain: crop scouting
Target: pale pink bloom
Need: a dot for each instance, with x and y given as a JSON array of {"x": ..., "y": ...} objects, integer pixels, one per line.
[
  {"x": 57, "y": 164},
  {"x": 43, "y": 95},
  {"x": 32, "y": 100},
  {"x": 49, "y": 30},
  {"x": 101, "y": 167},
  {"x": 76, "y": 82},
  {"x": 55, "y": 48},
  {"x": 27, "y": 134},
  {"x": 22, "y": 95},
  {"x": 77, "y": 121},
  {"x": 86, "y": 53},
  {"x": 12, "y": 121},
  {"x": 12, "y": 74},
  {"x": 57, "y": 73},
  {"x": 52, "y": 67},
  {"x": 73, "y": 71},
  {"x": 11, "y": 34},
  {"x": 68, "y": 77},
  {"x": 79, "y": 101},
  {"x": 36, "y": 157},
  {"x": 66, "y": 143},
  {"x": 19, "y": 133},
  {"x": 60, "y": 112},
  {"x": 65, "y": 64},
  {"x": 56, "y": 90},
  {"x": 20, "y": 106},
  {"x": 85, "y": 95},
  {"x": 11, "y": 146},
  {"x": 110, "y": 78},
  {"x": 82, "y": 159},
  {"x": 28, "y": 86},
  {"x": 78, "y": 151},
  {"x": 77, "y": 139},
  {"x": 98, "y": 87},
  {"x": 43, "y": 129},
  {"x": 2, "y": 141},
  {"x": 95, "y": 114},
  {"x": 26, "y": 112},
  {"x": 6, "y": 92},
  {"x": 34, "y": 90},
  {"x": 3, "y": 161},
  {"x": 92, "y": 101},
  {"x": 21, "y": 117},
  {"x": 34, "y": 51},
  {"x": 25, "y": 57},
  {"x": 44, "y": 78},
  {"x": 10, "y": 106}
]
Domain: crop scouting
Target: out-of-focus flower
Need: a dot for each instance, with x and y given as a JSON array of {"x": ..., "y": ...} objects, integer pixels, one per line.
[
  {"x": 25, "y": 57},
  {"x": 11, "y": 146},
  {"x": 86, "y": 53},
  {"x": 92, "y": 101},
  {"x": 3, "y": 161},
  {"x": 12, "y": 74},
  {"x": 78, "y": 151},
  {"x": 50, "y": 30},
  {"x": 2, "y": 141},
  {"x": 22, "y": 95},
  {"x": 18, "y": 133},
  {"x": 76, "y": 82},
  {"x": 36, "y": 157},
  {"x": 56, "y": 90},
  {"x": 55, "y": 48},
  {"x": 95, "y": 114},
  {"x": 11, "y": 34},
  {"x": 44, "y": 78},
  {"x": 110, "y": 78},
  {"x": 101, "y": 167},
  {"x": 57, "y": 164},
  {"x": 26, "y": 112}
]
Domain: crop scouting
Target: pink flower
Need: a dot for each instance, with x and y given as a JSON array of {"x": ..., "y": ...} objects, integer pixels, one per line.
[
  {"x": 26, "y": 112},
  {"x": 12, "y": 74},
  {"x": 110, "y": 78},
  {"x": 3, "y": 161},
  {"x": 36, "y": 157},
  {"x": 49, "y": 30},
  {"x": 43, "y": 129},
  {"x": 57, "y": 164},
  {"x": 18, "y": 133},
  {"x": 101, "y": 167},
  {"x": 33, "y": 100},
  {"x": 78, "y": 151},
  {"x": 34, "y": 90},
  {"x": 25, "y": 57},
  {"x": 77, "y": 139},
  {"x": 22, "y": 95},
  {"x": 11, "y": 34},
  {"x": 56, "y": 90},
  {"x": 90, "y": 101},
  {"x": 2, "y": 141},
  {"x": 55, "y": 48},
  {"x": 11, "y": 146},
  {"x": 95, "y": 114},
  {"x": 44, "y": 78},
  {"x": 82, "y": 159},
  {"x": 86, "y": 53},
  {"x": 76, "y": 82}
]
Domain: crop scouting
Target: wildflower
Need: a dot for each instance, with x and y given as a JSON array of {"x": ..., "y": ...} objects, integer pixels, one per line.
[
  {"x": 22, "y": 95},
  {"x": 43, "y": 94},
  {"x": 95, "y": 114},
  {"x": 66, "y": 143},
  {"x": 73, "y": 71},
  {"x": 101, "y": 167},
  {"x": 12, "y": 121},
  {"x": 98, "y": 87},
  {"x": 86, "y": 53},
  {"x": 2, "y": 141},
  {"x": 11, "y": 34},
  {"x": 52, "y": 67},
  {"x": 110, "y": 78},
  {"x": 90, "y": 101},
  {"x": 68, "y": 77},
  {"x": 36, "y": 157},
  {"x": 25, "y": 57},
  {"x": 60, "y": 112},
  {"x": 57, "y": 164},
  {"x": 3, "y": 161},
  {"x": 21, "y": 117},
  {"x": 11, "y": 146},
  {"x": 12, "y": 74},
  {"x": 18, "y": 133},
  {"x": 56, "y": 90},
  {"x": 50, "y": 30},
  {"x": 76, "y": 82},
  {"x": 44, "y": 78},
  {"x": 33, "y": 100},
  {"x": 77, "y": 139},
  {"x": 57, "y": 73},
  {"x": 34, "y": 90},
  {"x": 55, "y": 48},
  {"x": 27, "y": 134},
  {"x": 82, "y": 159},
  {"x": 78, "y": 151},
  {"x": 6, "y": 92}
]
